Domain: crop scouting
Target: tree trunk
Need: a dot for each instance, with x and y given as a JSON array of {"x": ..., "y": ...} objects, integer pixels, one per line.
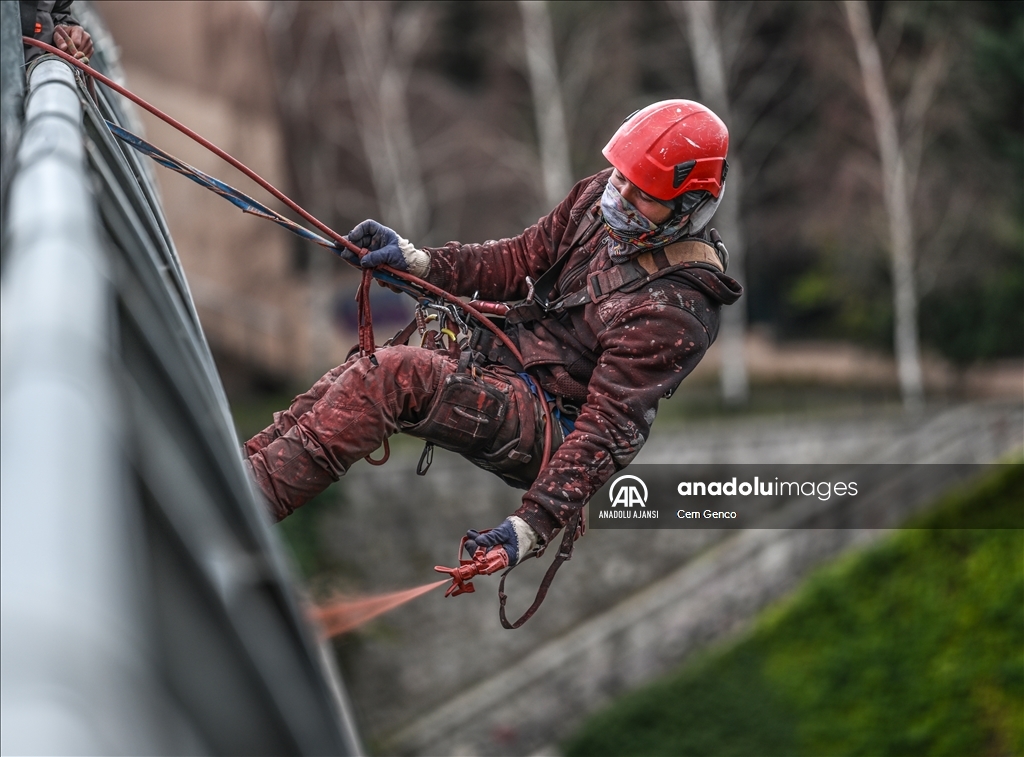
[
  {"x": 379, "y": 47},
  {"x": 897, "y": 205},
  {"x": 546, "y": 89},
  {"x": 321, "y": 267},
  {"x": 709, "y": 66}
]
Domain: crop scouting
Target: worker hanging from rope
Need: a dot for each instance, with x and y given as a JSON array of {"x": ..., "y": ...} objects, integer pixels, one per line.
[
  {"x": 607, "y": 304},
  {"x": 614, "y": 297}
]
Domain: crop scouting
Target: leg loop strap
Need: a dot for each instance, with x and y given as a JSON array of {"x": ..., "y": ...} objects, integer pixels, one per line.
[{"x": 572, "y": 532}]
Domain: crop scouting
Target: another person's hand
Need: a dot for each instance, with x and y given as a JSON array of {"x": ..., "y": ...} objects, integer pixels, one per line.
[
  {"x": 387, "y": 248},
  {"x": 73, "y": 40},
  {"x": 514, "y": 535}
]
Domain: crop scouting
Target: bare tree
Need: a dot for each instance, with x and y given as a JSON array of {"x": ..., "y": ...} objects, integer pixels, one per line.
[
  {"x": 379, "y": 44},
  {"x": 697, "y": 19},
  {"x": 900, "y": 164},
  {"x": 360, "y": 104},
  {"x": 751, "y": 79},
  {"x": 542, "y": 65}
]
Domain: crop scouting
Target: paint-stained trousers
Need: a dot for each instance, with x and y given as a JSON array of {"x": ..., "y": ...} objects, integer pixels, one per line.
[{"x": 489, "y": 415}]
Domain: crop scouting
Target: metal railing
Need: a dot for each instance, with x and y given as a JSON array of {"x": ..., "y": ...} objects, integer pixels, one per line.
[{"x": 146, "y": 604}]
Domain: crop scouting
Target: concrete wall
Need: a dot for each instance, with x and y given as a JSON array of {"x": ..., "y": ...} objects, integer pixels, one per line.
[{"x": 440, "y": 676}]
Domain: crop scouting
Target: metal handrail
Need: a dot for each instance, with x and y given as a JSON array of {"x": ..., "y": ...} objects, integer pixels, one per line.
[{"x": 147, "y": 606}]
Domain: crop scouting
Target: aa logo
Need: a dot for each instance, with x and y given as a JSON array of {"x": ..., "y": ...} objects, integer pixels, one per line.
[{"x": 628, "y": 494}]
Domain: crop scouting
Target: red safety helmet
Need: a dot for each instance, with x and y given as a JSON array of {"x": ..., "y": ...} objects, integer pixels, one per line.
[{"x": 670, "y": 148}]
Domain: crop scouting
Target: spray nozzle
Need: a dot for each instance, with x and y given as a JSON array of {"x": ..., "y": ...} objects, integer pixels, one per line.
[{"x": 483, "y": 562}]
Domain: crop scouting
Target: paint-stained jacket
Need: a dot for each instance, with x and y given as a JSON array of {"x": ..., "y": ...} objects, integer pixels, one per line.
[{"x": 645, "y": 342}]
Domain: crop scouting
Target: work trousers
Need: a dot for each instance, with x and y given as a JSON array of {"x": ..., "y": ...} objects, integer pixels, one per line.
[{"x": 488, "y": 414}]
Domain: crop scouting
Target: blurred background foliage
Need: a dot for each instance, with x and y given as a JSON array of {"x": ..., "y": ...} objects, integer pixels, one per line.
[
  {"x": 461, "y": 161},
  {"x": 914, "y": 646}
]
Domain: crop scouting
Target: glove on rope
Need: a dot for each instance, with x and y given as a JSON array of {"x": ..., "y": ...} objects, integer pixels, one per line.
[
  {"x": 514, "y": 535},
  {"x": 386, "y": 247}
]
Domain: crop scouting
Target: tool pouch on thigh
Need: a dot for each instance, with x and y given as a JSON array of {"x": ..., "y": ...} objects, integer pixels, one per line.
[
  {"x": 465, "y": 416},
  {"x": 518, "y": 460}
]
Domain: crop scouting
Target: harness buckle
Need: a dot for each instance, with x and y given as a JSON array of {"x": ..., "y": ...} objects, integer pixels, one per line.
[{"x": 520, "y": 457}]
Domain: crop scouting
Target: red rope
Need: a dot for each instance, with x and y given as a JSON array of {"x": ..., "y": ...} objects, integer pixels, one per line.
[
  {"x": 366, "y": 327},
  {"x": 198, "y": 138},
  {"x": 367, "y": 344}
]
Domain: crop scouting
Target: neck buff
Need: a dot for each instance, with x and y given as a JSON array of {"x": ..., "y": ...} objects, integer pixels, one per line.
[{"x": 631, "y": 231}]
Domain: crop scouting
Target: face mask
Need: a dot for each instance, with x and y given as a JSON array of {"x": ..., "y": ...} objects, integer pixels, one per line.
[{"x": 631, "y": 231}]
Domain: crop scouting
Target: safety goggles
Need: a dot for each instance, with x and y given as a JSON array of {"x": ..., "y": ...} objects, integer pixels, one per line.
[
  {"x": 687, "y": 202},
  {"x": 698, "y": 205}
]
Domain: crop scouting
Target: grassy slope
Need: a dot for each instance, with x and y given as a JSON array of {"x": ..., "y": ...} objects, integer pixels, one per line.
[{"x": 914, "y": 646}]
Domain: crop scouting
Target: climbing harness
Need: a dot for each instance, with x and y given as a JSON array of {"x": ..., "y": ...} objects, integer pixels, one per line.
[{"x": 434, "y": 304}]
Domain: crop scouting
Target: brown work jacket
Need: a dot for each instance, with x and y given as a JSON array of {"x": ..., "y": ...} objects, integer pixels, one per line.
[{"x": 615, "y": 356}]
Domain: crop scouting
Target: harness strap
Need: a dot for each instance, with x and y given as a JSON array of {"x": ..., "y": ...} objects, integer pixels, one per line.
[
  {"x": 523, "y": 451},
  {"x": 402, "y": 337},
  {"x": 545, "y": 284},
  {"x": 565, "y": 549},
  {"x": 686, "y": 251},
  {"x": 636, "y": 272}
]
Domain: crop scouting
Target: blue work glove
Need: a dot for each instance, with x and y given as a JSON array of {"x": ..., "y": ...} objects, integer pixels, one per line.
[
  {"x": 387, "y": 248},
  {"x": 514, "y": 535}
]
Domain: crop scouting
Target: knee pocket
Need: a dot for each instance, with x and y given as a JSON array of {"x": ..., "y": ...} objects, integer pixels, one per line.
[{"x": 465, "y": 416}]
